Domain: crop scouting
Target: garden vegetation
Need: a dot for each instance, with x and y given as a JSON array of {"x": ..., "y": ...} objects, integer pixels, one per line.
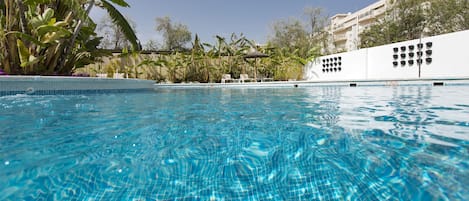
[{"x": 49, "y": 37}]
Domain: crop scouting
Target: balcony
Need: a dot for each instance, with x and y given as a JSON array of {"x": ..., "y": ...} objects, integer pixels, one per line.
[
  {"x": 366, "y": 15},
  {"x": 337, "y": 27},
  {"x": 379, "y": 11},
  {"x": 340, "y": 37}
]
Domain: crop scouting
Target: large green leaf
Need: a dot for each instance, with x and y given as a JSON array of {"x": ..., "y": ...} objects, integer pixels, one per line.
[
  {"x": 149, "y": 62},
  {"x": 53, "y": 37},
  {"x": 26, "y": 59},
  {"x": 122, "y": 23},
  {"x": 23, "y": 53},
  {"x": 43, "y": 18},
  {"x": 48, "y": 14},
  {"x": 27, "y": 37},
  {"x": 120, "y": 3},
  {"x": 35, "y": 2},
  {"x": 60, "y": 24},
  {"x": 63, "y": 8},
  {"x": 45, "y": 29}
]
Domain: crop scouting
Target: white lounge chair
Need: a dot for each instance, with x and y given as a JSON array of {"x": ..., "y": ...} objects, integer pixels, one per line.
[
  {"x": 101, "y": 75},
  {"x": 265, "y": 79},
  {"x": 118, "y": 76},
  {"x": 227, "y": 78},
  {"x": 245, "y": 77}
]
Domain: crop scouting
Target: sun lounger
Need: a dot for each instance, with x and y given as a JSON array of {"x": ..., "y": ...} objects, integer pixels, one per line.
[
  {"x": 227, "y": 78},
  {"x": 101, "y": 75},
  {"x": 245, "y": 77},
  {"x": 118, "y": 76}
]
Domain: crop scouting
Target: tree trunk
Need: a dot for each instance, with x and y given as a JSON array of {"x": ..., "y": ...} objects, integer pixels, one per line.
[
  {"x": 11, "y": 24},
  {"x": 24, "y": 22},
  {"x": 70, "y": 45}
]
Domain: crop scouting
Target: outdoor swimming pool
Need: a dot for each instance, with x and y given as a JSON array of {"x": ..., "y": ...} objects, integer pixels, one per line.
[{"x": 314, "y": 143}]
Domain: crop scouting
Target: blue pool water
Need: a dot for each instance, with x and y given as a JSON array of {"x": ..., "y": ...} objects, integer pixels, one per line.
[{"x": 318, "y": 143}]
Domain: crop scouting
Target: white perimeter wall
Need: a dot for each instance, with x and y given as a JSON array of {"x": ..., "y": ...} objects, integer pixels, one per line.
[{"x": 449, "y": 56}]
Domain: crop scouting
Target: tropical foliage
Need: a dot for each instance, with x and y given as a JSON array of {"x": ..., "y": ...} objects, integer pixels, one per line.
[
  {"x": 51, "y": 37},
  {"x": 293, "y": 44},
  {"x": 206, "y": 62}
]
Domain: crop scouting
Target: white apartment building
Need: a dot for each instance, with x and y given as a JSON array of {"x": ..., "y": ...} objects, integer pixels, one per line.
[{"x": 344, "y": 29}]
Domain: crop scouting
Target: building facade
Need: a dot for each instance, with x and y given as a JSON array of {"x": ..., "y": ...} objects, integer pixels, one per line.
[{"x": 344, "y": 30}]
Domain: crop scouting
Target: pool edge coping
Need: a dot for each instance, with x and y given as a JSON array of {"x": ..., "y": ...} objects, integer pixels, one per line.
[
  {"x": 351, "y": 83},
  {"x": 51, "y": 85}
]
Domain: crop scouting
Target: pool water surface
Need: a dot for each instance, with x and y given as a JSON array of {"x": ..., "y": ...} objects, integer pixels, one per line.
[{"x": 316, "y": 143}]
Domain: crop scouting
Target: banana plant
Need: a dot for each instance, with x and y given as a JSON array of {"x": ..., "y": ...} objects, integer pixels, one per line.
[
  {"x": 49, "y": 36},
  {"x": 153, "y": 69},
  {"x": 220, "y": 50},
  {"x": 235, "y": 49},
  {"x": 195, "y": 61},
  {"x": 211, "y": 57},
  {"x": 34, "y": 43},
  {"x": 312, "y": 54},
  {"x": 173, "y": 66},
  {"x": 38, "y": 50},
  {"x": 130, "y": 62}
]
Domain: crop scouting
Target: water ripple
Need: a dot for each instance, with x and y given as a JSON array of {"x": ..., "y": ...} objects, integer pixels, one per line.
[{"x": 322, "y": 143}]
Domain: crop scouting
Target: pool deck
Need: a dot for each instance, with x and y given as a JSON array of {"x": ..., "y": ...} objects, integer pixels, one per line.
[{"x": 288, "y": 84}]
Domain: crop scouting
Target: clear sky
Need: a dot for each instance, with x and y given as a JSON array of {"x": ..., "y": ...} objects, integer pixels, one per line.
[{"x": 207, "y": 18}]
